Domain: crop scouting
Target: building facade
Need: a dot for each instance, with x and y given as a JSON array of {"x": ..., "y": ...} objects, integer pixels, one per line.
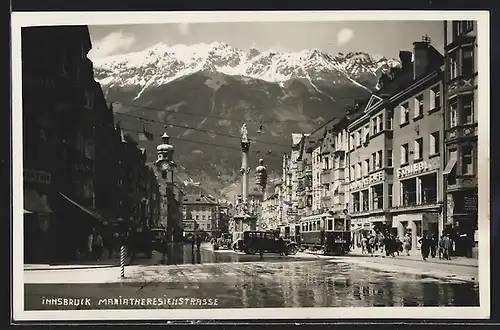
[
  {"x": 461, "y": 118},
  {"x": 77, "y": 166},
  {"x": 316, "y": 177},
  {"x": 198, "y": 214}
]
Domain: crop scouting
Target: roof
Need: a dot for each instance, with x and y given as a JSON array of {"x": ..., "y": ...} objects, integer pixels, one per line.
[
  {"x": 297, "y": 137},
  {"x": 198, "y": 199}
]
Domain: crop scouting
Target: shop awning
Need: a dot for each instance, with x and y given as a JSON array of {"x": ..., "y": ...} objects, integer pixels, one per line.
[
  {"x": 451, "y": 164},
  {"x": 33, "y": 203},
  {"x": 83, "y": 208}
]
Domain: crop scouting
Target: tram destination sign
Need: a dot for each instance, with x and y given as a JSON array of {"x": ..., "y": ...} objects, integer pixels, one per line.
[{"x": 417, "y": 168}]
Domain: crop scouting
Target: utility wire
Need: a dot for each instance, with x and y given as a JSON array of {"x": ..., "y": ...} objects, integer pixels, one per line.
[
  {"x": 210, "y": 116},
  {"x": 199, "y": 129},
  {"x": 200, "y": 142}
]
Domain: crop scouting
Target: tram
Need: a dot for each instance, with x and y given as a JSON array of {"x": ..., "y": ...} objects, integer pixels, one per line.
[{"x": 329, "y": 232}]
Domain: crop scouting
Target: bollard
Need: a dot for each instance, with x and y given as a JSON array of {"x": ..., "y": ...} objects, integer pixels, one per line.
[{"x": 122, "y": 261}]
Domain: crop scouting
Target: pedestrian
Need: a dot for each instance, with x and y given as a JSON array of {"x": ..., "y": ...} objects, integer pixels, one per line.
[
  {"x": 97, "y": 245},
  {"x": 441, "y": 251},
  {"x": 193, "y": 242},
  {"x": 198, "y": 242},
  {"x": 261, "y": 246},
  {"x": 433, "y": 245},
  {"x": 371, "y": 244},
  {"x": 407, "y": 244},
  {"x": 425, "y": 244},
  {"x": 399, "y": 245},
  {"x": 448, "y": 246},
  {"x": 90, "y": 244},
  {"x": 364, "y": 245}
]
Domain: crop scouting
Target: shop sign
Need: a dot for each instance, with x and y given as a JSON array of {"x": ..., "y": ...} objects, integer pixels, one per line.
[
  {"x": 417, "y": 168},
  {"x": 374, "y": 178},
  {"x": 34, "y": 176},
  {"x": 470, "y": 203}
]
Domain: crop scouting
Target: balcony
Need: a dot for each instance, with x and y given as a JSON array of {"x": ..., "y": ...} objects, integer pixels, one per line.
[
  {"x": 326, "y": 176},
  {"x": 462, "y": 84},
  {"x": 461, "y": 132}
]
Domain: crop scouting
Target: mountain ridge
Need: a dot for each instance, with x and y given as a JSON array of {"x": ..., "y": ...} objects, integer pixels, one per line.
[{"x": 205, "y": 92}]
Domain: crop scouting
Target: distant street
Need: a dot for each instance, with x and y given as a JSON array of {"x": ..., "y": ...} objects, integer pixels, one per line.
[{"x": 238, "y": 280}]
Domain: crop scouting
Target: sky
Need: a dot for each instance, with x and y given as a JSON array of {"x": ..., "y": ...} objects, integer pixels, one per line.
[{"x": 384, "y": 38}]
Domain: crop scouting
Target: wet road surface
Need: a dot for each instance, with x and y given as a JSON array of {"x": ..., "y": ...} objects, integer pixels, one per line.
[
  {"x": 252, "y": 284},
  {"x": 179, "y": 254}
]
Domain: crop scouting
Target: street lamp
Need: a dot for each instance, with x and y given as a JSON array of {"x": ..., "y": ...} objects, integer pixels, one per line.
[{"x": 165, "y": 165}]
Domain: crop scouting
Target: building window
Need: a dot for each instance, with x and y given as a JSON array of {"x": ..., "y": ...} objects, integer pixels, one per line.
[
  {"x": 453, "y": 112},
  {"x": 467, "y": 115},
  {"x": 366, "y": 166},
  {"x": 418, "y": 149},
  {"x": 366, "y": 136},
  {"x": 374, "y": 126},
  {"x": 377, "y": 197},
  {"x": 358, "y": 171},
  {"x": 389, "y": 120},
  {"x": 453, "y": 65},
  {"x": 461, "y": 27},
  {"x": 405, "y": 151},
  {"x": 409, "y": 192},
  {"x": 197, "y": 217},
  {"x": 352, "y": 141},
  {"x": 435, "y": 98},
  {"x": 379, "y": 159},
  {"x": 405, "y": 113},
  {"x": 419, "y": 106},
  {"x": 355, "y": 202},
  {"x": 467, "y": 160},
  {"x": 380, "y": 123},
  {"x": 434, "y": 143},
  {"x": 389, "y": 195},
  {"x": 89, "y": 99},
  {"x": 429, "y": 188},
  {"x": 467, "y": 67},
  {"x": 374, "y": 160},
  {"x": 389, "y": 157},
  {"x": 352, "y": 173},
  {"x": 366, "y": 201}
]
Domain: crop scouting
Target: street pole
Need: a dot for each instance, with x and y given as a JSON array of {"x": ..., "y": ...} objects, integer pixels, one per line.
[{"x": 122, "y": 261}]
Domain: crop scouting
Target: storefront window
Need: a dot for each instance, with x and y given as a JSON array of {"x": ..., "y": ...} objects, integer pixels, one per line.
[
  {"x": 355, "y": 202},
  {"x": 429, "y": 188},
  {"x": 409, "y": 197},
  {"x": 377, "y": 197}
]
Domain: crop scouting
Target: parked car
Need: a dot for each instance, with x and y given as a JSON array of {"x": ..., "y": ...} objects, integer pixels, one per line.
[
  {"x": 266, "y": 241},
  {"x": 223, "y": 242},
  {"x": 140, "y": 241},
  {"x": 159, "y": 238}
]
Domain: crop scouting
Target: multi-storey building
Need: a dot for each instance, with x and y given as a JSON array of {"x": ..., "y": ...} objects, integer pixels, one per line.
[
  {"x": 461, "y": 118},
  {"x": 417, "y": 128},
  {"x": 305, "y": 177},
  {"x": 271, "y": 210},
  {"x": 326, "y": 176},
  {"x": 199, "y": 211},
  {"x": 340, "y": 171},
  {"x": 316, "y": 176}
]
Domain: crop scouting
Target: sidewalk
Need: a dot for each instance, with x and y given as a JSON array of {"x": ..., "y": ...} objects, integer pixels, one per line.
[
  {"x": 416, "y": 256},
  {"x": 104, "y": 262}
]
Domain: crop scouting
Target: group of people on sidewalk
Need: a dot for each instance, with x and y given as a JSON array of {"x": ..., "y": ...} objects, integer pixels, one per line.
[
  {"x": 392, "y": 245},
  {"x": 96, "y": 245}
]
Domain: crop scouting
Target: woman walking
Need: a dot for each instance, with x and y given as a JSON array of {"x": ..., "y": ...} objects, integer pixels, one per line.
[
  {"x": 407, "y": 244},
  {"x": 425, "y": 246}
]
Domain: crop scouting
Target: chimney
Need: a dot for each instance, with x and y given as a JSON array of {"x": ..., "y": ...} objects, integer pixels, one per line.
[
  {"x": 405, "y": 58},
  {"x": 421, "y": 56}
]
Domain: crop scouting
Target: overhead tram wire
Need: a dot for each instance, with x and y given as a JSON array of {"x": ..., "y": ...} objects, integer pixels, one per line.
[
  {"x": 199, "y": 129},
  {"x": 149, "y": 108},
  {"x": 200, "y": 142}
]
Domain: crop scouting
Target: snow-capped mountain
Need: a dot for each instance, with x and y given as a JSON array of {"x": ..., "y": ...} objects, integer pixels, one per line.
[
  {"x": 161, "y": 64},
  {"x": 205, "y": 92}
]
